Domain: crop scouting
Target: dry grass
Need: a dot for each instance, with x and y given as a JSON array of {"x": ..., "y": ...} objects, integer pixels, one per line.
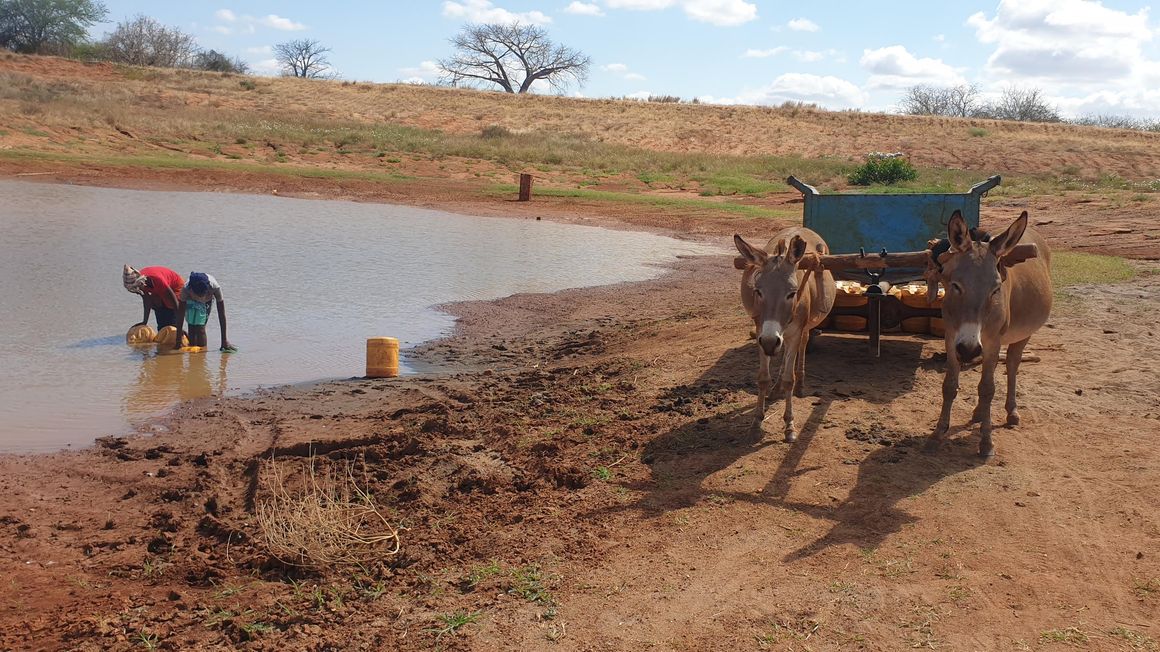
[
  {"x": 322, "y": 518},
  {"x": 196, "y": 111}
]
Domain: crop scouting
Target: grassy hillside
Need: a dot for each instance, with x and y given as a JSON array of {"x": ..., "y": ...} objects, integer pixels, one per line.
[{"x": 64, "y": 110}]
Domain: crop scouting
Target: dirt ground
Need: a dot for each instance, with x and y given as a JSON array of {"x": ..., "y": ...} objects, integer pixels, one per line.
[{"x": 575, "y": 471}]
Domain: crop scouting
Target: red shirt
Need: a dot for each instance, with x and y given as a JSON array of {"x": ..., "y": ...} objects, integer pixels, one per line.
[{"x": 161, "y": 278}]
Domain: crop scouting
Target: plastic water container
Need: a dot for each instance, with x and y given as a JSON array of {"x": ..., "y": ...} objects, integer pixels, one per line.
[
  {"x": 382, "y": 357},
  {"x": 167, "y": 335},
  {"x": 936, "y": 324},
  {"x": 141, "y": 334},
  {"x": 914, "y": 296},
  {"x": 850, "y": 295}
]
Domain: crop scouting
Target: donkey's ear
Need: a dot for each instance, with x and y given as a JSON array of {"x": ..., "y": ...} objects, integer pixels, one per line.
[
  {"x": 797, "y": 249},
  {"x": 752, "y": 255},
  {"x": 958, "y": 232},
  {"x": 1003, "y": 243}
]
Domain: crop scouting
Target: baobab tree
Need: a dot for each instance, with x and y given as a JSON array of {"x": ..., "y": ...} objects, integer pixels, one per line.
[
  {"x": 513, "y": 57},
  {"x": 304, "y": 58}
]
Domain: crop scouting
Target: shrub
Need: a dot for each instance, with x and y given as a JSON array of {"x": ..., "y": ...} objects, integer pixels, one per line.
[
  {"x": 247, "y": 84},
  {"x": 495, "y": 131},
  {"x": 977, "y": 132},
  {"x": 883, "y": 168}
]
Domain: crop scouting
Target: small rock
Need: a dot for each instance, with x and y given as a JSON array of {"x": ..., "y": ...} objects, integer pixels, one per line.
[
  {"x": 1020, "y": 504},
  {"x": 1079, "y": 392}
]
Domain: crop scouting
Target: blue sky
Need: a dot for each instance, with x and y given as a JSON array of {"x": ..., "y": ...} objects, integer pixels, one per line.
[{"x": 1087, "y": 56}]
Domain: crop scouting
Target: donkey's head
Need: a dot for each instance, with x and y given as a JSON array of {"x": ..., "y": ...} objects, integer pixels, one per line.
[
  {"x": 774, "y": 283},
  {"x": 974, "y": 275}
]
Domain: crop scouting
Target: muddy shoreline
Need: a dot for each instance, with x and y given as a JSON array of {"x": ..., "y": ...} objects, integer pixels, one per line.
[{"x": 582, "y": 477}]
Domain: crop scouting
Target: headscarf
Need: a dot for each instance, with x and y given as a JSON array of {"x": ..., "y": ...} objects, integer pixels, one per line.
[
  {"x": 198, "y": 283},
  {"x": 133, "y": 280}
]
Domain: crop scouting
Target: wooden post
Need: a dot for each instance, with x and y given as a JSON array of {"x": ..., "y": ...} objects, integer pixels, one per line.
[{"x": 525, "y": 187}]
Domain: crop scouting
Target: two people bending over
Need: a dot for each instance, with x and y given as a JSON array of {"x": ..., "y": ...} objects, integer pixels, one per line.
[{"x": 175, "y": 301}]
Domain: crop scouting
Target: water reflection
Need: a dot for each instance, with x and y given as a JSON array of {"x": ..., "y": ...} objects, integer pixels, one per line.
[{"x": 167, "y": 378}]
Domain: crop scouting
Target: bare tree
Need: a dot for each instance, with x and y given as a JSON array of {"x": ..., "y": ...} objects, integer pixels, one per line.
[
  {"x": 218, "y": 62},
  {"x": 143, "y": 41},
  {"x": 1023, "y": 105},
  {"x": 958, "y": 101},
  {"x": 33, "y": 26},
  {"x": 512, "y": 56},
  {"x": 304, "y": 58}
]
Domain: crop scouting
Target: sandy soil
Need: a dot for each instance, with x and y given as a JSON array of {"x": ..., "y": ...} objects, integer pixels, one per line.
[{"x": 575, "y": 471}]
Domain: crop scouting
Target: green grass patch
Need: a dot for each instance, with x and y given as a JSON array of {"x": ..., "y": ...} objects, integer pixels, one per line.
[
  {"x": 977, "y": 132},
  {"x": 36, "y": 132},
  {"x": 183, "y": 163},
  {"x": 453, "y": 622},
  {"x": 1070, "y": 268},
  {"x": 682, "y": 204},
  {"x": 735, "y": 184}
]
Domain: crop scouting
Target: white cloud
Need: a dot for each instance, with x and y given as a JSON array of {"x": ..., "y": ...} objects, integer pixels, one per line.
[
  {"x": 722, "y": 13},
  {"x": 752, "y": 53},
  {"x": 639, "y": 95},
  {"x": 277, "y": 22},
  {"x": 827, "y": 91},
  {"x": 267, "y": 66},
  {"x": 808, "y": 56},
  {"x": 247, "y": 24},
  {"x": 802, "y": 25},
  {"x": 260, "y": 50},
  {"x": 639, "y": 5},
  {"x": 621, "y": 70},
  {"x": 424, "y": 73},
  {"x": 896, "y": 67},
  {"x": 583, "y": 9},
  {"x": 485, "y": 11},
  {"x": 1063, "y": 40},
  {"x": 939, "y": 38}
]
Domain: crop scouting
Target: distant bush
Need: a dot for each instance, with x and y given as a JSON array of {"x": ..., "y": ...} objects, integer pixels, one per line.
[
  {"x": 495, "y": 131},
  {"x": 665, "y": 99},
  {"x": 885, "y": 169},
  {"x": 1117, "y": 122},
  {"x": 247, "y": 84},
  {"x": 977, "y": 132}
]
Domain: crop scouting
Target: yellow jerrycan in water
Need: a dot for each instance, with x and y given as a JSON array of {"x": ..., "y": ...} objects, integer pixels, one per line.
[
  {"x": 140, "y": 334},
  {"x": 382, "y": 357},
  {"x": 167, "y": 335}
]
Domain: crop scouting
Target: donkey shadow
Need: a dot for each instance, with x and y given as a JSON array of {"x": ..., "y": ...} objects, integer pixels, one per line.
[{"x": 683, "y": 458}]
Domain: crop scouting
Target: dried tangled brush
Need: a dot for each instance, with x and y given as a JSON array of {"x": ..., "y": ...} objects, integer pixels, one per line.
[{"x": 324, "y": 519}]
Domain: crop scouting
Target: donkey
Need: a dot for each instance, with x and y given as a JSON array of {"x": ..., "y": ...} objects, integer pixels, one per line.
[
  {"x": 994, "y": 296},
  {"x": 785, "y": 303}
]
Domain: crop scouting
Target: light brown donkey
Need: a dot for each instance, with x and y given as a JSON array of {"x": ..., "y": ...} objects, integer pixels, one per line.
[
  {"x": 993, "y": 296},
  {"x": 785, "y": 303}
]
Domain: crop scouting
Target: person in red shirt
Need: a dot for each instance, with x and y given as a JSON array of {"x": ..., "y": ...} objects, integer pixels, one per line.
[{"x": 159, "y": 288}]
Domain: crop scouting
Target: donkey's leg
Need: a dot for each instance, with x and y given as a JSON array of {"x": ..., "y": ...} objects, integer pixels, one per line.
[
  {"x": 986, "y": 396},
  {"x": 799, "y": 379},
  {"x": 794, "y": 348},
  {"x": 1014, "y": 357},
  {"x": 950, "y": 389},
  {"x": 763, "y": 384}
]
